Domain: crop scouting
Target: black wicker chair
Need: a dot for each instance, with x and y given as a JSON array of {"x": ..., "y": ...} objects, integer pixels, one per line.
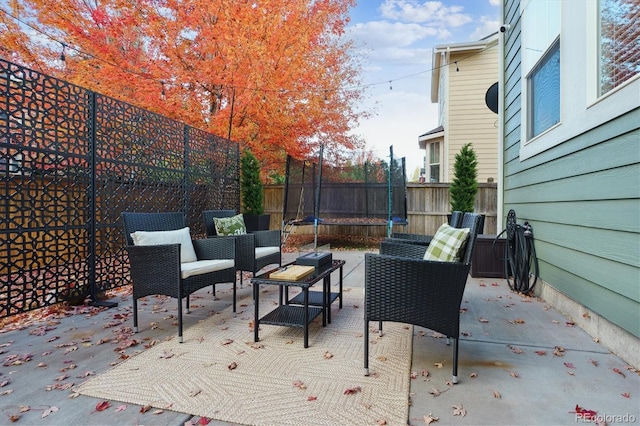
[
  {"x": 401, "y": 286},
  {"x": 157, "y": 269},
  {"x": 254, "y": 250},
  {"x": 424, "y": 240}
]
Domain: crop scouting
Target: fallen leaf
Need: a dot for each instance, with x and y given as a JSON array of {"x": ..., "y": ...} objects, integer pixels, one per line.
[
  {"x": 617, "y": 370},
  {"x": 204, "y": 421},
  {"x": 497, "y": 395},
  {"x": 570, "y": 324},
  {"x": 430, "y": 418},
  {"x": 435, "y": 392},
  {"x": 351, "y": 391},
  {"x": 569, "y": 365},
  {"x": 226, "y": 342},
  {"x": 626, "y": 395},
  {"x": 299, "y": 384},
  {"x": 145, "y": 408},
  {"x": 541, "y": 353},
  {"x": 473, "y": 375},
  {"x": 514, "y": 374},
  {"x": 438, "y": 364},
  {"x": 232, "y": 366},
  {"x": 14, "y": 418},
  {"x": 594, "y": 362},
  {"x": 120, "y": 408},
  {"x": 24, "y": 408},
  {"x": 48, "y": 411},
  {"x": 483, "y": 320},
  {"x": 515, "y": 350},
  {"x": 311, "y": 398},
  {"x": 381, "y": 422},
  {"x": 585, "y": 414},
  {"x": 101, "y": 406},
  {"x": 328, "y": 355},
  {"x": 458, "y": 410},
  {"x": 157, "y": 412},
  {"x": 195, "y": 392},
  {"x": 558, "y": 351}
]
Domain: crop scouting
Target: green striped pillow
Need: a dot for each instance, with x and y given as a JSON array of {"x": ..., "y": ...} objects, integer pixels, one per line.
[{"x": 447, "y": 244}]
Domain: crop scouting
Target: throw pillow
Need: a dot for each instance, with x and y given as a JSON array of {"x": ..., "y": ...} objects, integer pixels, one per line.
[
  {"x": 179, "y": 236},
  {"x": 447, "y": 244},
  {"x": 233, "y": 225}
]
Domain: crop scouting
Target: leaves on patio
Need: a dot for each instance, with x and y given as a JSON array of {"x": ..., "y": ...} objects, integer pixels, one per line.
[
  {"x": 48, "y": 411},
  {"x": 299, "y": 384},
  {"x": 584, "y": 413},
  {"x": 617, "y": 370},
  {"x": 352, "y": 391},
  {"x": 558, "y": 351},
  {"x": 458, "y": 410},
  {"x": 232, "y": 366},
  {"x": 430, "y": 418}
]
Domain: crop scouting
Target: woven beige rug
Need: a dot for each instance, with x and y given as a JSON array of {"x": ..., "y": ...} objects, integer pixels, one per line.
[{"x": 276, "y": 381}]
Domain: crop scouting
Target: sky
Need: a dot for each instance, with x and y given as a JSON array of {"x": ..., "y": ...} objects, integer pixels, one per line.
[{"x": 397, "y": 38}]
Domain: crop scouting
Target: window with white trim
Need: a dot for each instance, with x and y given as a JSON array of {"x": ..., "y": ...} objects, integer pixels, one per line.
[
  {"x": 433, "y": 162},
  {"x": 541, "y": 61},
  {"x": 619, "y": 39}
]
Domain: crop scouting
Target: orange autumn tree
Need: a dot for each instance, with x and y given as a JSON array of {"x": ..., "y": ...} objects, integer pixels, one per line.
[{"x": 278, "y": 76}]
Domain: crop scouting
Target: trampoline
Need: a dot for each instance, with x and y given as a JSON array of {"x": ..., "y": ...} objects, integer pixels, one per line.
[{"x": 369, "y": 194}]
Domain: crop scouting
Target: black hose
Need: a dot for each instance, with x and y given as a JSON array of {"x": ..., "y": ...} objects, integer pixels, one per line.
[{"x": 521, "y": 262}]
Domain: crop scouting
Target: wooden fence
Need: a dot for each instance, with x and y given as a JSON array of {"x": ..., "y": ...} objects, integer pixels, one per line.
[{"x": 427, "y": 208}]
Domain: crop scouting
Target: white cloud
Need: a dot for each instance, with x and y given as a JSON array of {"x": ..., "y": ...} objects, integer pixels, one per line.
[
  {"x": 487, "y": 26},
  {"x": 426, "y": 12},
  {"x": 383, "y": 33},
  {"x": 495, "y": 2},
  {"x": 401, "y": 117}
]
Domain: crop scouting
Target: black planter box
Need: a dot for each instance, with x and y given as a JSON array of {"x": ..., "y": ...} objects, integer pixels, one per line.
[
  {"x": 316, "y": 259},
  {"x": 488, "y": 259}
]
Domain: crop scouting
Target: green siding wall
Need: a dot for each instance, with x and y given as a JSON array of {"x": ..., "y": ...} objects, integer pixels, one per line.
[{"x": 582, "y": 198}]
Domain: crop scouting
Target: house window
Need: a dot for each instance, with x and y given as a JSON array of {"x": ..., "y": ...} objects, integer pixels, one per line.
[
  {"x": 544, "y": 92},
  {"x": 619, "y": 56},
  {"x": 541, "y": 62},
  {"x": 433, "y": 161}
]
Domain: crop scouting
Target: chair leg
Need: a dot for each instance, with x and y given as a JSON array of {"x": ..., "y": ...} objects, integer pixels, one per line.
[
  {"x": 187, "y": 305},
  {"x": 234, "y": 298},
  {"x": 180, "y": 318},
  {"x": 135, "y": 315},
  {"x": 380, "y": 329},
  {"x": 366, "y": 348},
  {"x": 454, "y": 378}
]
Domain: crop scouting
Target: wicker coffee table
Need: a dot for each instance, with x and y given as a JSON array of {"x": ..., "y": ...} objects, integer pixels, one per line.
[{"x": 304, "y": 307}]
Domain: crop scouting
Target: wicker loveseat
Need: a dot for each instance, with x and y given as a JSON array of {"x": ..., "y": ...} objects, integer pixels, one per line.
[
  {"x": 401, "y": 286},
  {"x": 158, "y": 267}
]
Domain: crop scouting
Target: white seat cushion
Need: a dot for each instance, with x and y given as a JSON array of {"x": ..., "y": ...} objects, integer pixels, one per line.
[
  {"x": 266, "y": 251},
  {"x": 179, "y": 236},
  {"x": 204, "y": 266}
]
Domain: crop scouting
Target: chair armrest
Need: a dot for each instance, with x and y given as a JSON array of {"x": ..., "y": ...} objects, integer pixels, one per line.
[
  {"x": 420, "y": 292},
  {"x": 271, "y": 238},
  {"x": 414, "y": 251},
  {"x": 412, "y": 238},
  {"x": 215, "y": 248},
  {"x": 155, "y": 269}
]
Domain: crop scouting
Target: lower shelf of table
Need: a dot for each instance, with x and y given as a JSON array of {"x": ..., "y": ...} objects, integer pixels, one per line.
[
  {"x": 292, "y": 316},
  {"x": 315, "y": 298}
]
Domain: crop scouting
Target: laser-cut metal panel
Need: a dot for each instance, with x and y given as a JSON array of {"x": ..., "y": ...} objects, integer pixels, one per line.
[
  {"x": 71, "y": 161},
  {"x": 44, "y": 162}
]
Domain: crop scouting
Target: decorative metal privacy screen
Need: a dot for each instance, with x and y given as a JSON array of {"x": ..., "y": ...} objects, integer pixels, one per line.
[{"x": 71, "y": 160}]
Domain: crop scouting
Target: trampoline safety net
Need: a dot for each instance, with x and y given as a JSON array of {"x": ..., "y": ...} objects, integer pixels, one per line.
[{"x": 353, "y": 194}]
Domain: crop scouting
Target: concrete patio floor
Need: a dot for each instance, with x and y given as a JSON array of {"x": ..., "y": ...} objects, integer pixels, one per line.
[{"x": 521, "y": 362}]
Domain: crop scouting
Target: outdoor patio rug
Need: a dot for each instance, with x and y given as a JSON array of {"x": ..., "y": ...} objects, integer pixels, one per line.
[{"x": 220, "y": 373}]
